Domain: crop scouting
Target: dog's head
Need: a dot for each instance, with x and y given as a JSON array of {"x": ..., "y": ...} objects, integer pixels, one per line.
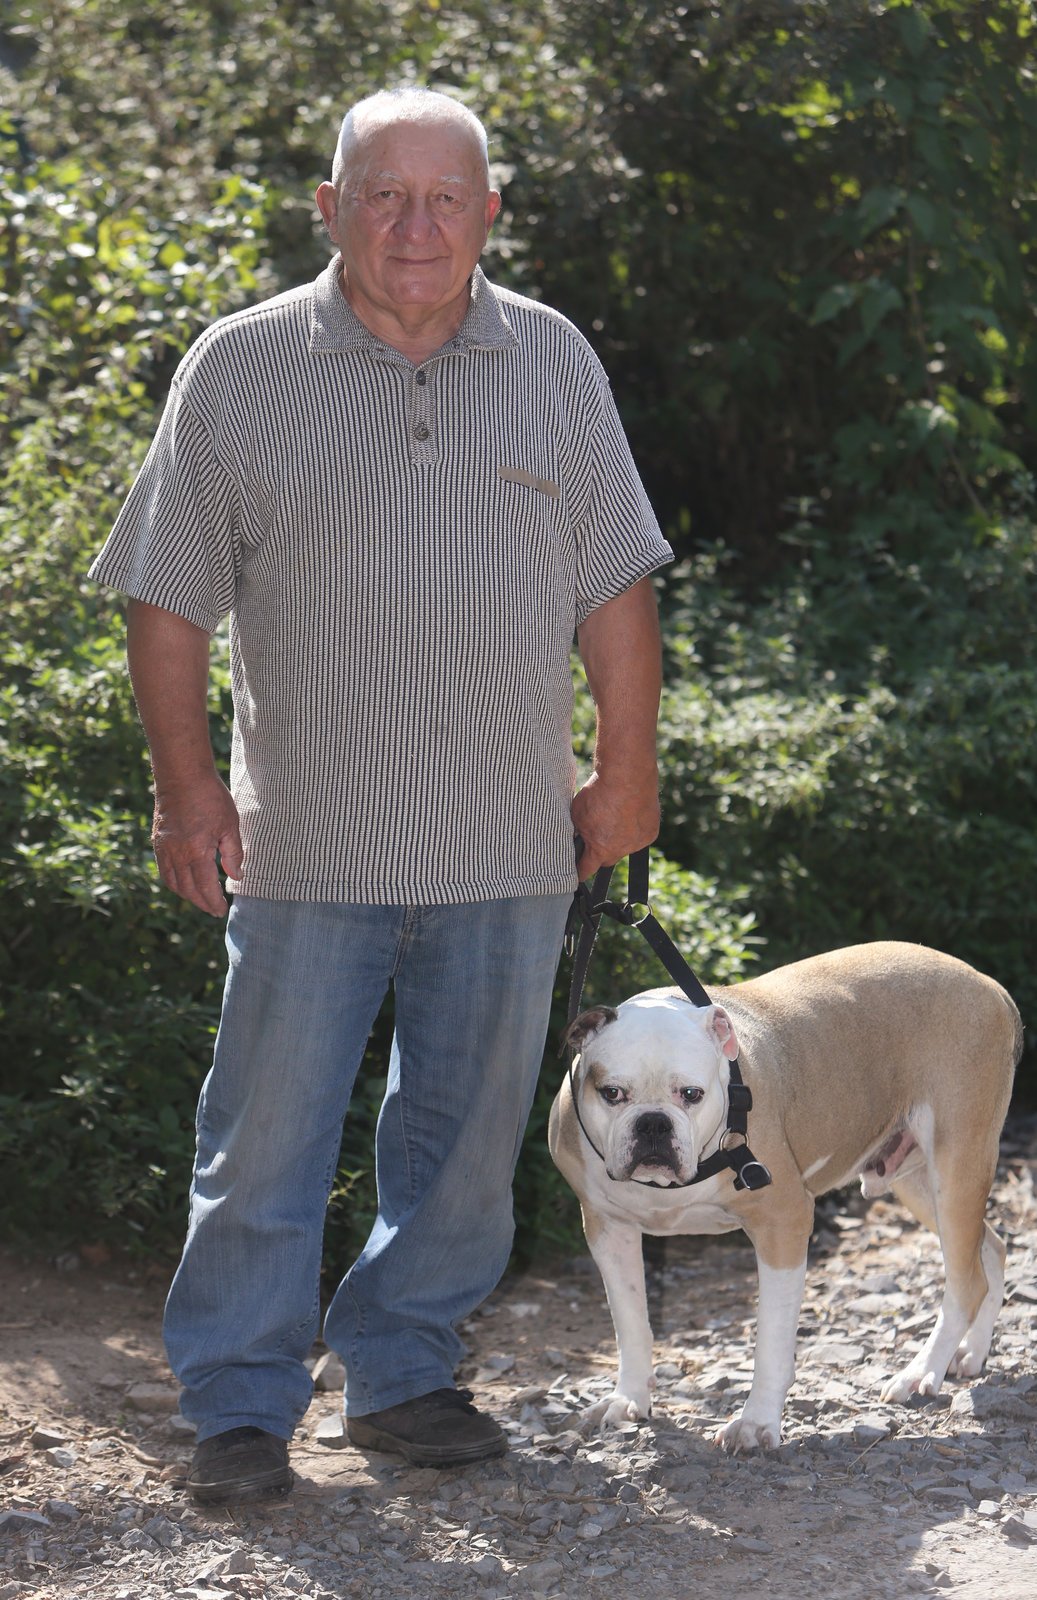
[{"x": 651, "y": 1083}]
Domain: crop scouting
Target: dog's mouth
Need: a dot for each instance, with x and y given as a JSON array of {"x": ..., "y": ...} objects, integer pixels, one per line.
[{"x": 657, "y": 1156}]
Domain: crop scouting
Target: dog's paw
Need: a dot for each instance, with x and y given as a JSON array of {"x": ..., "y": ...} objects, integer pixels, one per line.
[
  {"x": 913, "y": 1380},
  {"x": 746, "y": 1433},
  {"x": 615, "y": 1411},
  {"x": 967, "y": 1362}
]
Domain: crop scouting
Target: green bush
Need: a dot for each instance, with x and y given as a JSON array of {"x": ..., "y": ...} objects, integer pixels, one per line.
[
  {"x": 802, "y": 239},
  {"x": 108, "y": 988},
  {"x": 861, "y": 752}
]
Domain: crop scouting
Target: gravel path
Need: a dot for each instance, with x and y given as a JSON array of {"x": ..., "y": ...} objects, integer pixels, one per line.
[{"x": 862, "y": 1500}]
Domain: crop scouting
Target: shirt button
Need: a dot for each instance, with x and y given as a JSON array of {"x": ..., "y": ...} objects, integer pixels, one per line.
[
  {"x": 422, "y": 378},
  {"x": 421, "y": 432}
]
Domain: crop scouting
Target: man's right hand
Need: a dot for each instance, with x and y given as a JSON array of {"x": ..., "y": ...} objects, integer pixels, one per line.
[
  {"x": 195, "y": 816},
  {"x": 193, "y": 824}
]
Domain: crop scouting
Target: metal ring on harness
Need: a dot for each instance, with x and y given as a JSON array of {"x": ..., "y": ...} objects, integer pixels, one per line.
[{"x": 625, "y": 912}]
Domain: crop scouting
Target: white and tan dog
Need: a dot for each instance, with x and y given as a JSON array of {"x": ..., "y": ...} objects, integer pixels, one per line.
[{"x": 888, "y": 1062}]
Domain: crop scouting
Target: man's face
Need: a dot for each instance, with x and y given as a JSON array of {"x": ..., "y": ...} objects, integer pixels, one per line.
[{"x": 411, "y": 217}]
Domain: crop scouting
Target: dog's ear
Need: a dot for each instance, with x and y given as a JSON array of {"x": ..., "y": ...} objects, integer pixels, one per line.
[
  {"x": 586, "y": 1025},
  {"x": 721, "y": 1030}
]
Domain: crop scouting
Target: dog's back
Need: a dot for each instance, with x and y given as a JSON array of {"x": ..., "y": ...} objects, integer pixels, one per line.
[{"x": 864, "y": 1035}]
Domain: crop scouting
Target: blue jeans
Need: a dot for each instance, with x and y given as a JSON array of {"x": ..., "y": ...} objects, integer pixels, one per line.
[{"x": 473, "y": 988}]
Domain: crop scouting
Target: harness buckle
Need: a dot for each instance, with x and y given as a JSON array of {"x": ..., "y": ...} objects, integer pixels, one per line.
[{"x": 752, "y": 1175}]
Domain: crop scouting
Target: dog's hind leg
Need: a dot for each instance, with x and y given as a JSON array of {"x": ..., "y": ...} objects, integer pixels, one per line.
[
  {"x": 971, "y": 1354},
  {"x": 973, "y": 1258}
]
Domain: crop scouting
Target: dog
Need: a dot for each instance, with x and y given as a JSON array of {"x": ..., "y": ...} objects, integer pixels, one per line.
[{"x": 889, "y": 1062}]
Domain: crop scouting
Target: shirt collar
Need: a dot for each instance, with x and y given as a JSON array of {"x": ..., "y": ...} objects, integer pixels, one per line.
[{"x": 336, "y": 326}]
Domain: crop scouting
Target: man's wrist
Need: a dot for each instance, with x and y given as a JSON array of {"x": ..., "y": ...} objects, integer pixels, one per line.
[
  {"x": 627, "y": 775},
  {"x": 171, "y": 786}
]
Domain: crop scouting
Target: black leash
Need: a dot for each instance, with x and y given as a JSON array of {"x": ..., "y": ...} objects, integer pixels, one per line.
[{"x": 589, "y": 906}]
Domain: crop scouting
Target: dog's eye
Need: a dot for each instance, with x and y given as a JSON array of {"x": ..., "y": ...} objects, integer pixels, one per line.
[
  {"x": 692, "y": 1095},
  {"x": 611, "y": 1094}
]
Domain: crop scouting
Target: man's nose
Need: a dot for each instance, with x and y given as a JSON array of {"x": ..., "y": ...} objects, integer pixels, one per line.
[{"x": 416, "y": 220}]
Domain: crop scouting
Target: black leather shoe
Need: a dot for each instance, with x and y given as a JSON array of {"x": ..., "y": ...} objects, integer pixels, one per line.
[
  {"x": 242, "y": 1464},
  {"x": 441, "y": 1429}
]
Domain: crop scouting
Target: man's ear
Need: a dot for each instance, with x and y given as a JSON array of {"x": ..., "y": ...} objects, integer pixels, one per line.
[
  {"x": 587, "y": 1025},
  {"x": 721, "y": 1030},
  {"x": 327, "y": 204}
]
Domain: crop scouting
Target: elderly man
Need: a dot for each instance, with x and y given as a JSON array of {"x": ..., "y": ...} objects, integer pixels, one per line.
[{"x": 407, "y": 488}]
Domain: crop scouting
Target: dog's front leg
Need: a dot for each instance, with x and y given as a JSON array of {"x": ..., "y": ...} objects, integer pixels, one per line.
[
  {"x": 758, "y": 1424},
  {"x": 616, "y": 1247}
]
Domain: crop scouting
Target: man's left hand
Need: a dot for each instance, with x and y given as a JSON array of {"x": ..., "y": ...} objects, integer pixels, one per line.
[{"x": 614, "y": 819}]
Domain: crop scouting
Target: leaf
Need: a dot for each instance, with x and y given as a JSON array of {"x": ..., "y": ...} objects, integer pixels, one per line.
[
  {"x": 840, "y": 297},
  {"x": 922, "y": 213},
  {"x": 914, "y": 29},
  {"x": 877, "y": 301},
  {"x": 934, "y": 146},
  {"x": 974, "y": 142},
  {"x": 900, "y": 96},
  {"x": 877, "y": 207}
]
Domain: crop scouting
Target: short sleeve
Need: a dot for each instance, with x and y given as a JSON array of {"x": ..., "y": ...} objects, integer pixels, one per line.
[
  {"x": 175, "y": 542},
  {"x": 618, "y": 539}
]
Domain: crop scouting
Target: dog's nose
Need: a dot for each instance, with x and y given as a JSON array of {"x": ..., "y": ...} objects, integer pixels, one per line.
[{"x": 653, "y": 1125}]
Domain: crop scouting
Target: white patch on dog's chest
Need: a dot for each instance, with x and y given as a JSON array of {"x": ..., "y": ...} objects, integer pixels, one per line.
[
  {"x": 707, "y": 1219},
  {"x": 655, "y": 1211}
]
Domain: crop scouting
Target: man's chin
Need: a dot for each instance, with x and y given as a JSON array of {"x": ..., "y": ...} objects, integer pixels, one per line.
[{"x": 423, "y": 283}]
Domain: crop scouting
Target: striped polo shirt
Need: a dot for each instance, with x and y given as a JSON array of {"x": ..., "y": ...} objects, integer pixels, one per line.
[{"x": 404, "y": 553}]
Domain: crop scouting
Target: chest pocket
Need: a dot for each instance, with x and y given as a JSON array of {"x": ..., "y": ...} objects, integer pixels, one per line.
[{"x": 529, "y": 480}]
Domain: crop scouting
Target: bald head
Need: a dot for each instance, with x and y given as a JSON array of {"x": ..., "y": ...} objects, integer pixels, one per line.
[{"x": 411, "y": 105}]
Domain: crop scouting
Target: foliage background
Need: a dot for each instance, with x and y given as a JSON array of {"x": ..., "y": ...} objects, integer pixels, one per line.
[{"x": 800, "y": 236}]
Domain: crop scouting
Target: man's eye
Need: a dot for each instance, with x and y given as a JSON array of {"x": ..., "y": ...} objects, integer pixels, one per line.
[
  {"x": 692, "y": 1095},
  {"x": 610, "y": 1094}
]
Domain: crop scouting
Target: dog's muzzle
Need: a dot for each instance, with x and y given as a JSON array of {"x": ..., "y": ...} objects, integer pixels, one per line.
[{"x": 653, "y": 1144}]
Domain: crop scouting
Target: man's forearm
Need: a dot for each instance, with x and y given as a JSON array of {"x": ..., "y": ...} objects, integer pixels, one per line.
[
  {"x": 617, "y": 811},
  {"x": 196, "y": 821},
  {"x": 169, "y": 669},
  {"x": 621, "y": 652}
]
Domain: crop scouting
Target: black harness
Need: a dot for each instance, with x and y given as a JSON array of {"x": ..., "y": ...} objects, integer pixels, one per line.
[{"x": 589, "y": 906}]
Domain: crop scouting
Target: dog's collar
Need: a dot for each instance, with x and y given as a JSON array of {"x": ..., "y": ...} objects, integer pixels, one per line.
[{"x": 733, "y": 1151}]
